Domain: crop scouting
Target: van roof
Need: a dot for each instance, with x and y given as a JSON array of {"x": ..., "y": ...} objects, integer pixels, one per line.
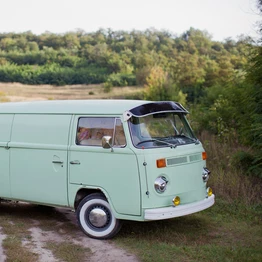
[
  {"x": 70, "y": 107},
  {"x": 136, "y": 108}
]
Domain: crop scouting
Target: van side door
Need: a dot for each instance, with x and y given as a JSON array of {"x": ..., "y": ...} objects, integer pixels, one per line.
[
  {"x": 38, "y": 158},
  {"x": 112, "y": 170},
  {"x": 5, "y": 135}
]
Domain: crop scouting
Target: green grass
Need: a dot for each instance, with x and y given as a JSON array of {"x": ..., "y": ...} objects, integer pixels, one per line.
[
  {"x": 15, "y": 252},
  {"x": 16, "y": 230},
  {"x": 69, "y": 252},
  {"x": 225, "y": 232},
  {"x": 231, "y": 230}
]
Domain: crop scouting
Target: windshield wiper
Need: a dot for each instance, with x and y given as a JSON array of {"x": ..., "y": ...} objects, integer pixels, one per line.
[
  {"x": 193, "y": 139},
  {"x": 157, "y": 140},
  {"x": 165, "y": 142},
  {"x": 144, "y": 141}
]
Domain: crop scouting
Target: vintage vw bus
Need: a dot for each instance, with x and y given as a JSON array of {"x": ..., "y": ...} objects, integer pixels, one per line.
[{"x": 110, "y": 160}]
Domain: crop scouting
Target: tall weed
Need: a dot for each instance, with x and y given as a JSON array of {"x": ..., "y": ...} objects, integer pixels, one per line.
[
  {"x": 3, "y": 97},
  {"x": 227, "y": 181}
]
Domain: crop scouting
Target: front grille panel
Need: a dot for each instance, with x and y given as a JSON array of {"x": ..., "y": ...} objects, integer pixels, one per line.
[{"x": 183, "y": 159}]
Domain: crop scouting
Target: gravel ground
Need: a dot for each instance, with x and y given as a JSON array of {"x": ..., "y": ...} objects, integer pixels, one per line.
[{"x": 101, "y": 250}]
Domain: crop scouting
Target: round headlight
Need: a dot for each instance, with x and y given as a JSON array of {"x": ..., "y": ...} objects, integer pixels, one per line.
[
  {"x": 160, "y": 184},
  {"x": 205, "y": 174}
]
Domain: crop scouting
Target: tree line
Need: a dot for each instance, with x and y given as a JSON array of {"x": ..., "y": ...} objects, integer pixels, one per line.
[
  {"x": 220, "y": 82},
  {"x": 191, "y": 60}
]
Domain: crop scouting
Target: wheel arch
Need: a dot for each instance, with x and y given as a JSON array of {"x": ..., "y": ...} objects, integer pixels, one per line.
[{"x": 83, "y": 192}]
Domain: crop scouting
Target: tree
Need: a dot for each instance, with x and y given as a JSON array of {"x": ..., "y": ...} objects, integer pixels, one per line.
[
  {"x": 254, "y": 105},
  {"x": 159, "y": 87}
]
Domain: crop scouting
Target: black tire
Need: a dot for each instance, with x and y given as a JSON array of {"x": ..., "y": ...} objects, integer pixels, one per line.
[{"x": 95, "y": 217}]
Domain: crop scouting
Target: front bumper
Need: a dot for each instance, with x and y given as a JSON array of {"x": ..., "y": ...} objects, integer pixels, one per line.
[{"x": 178, "y": 211}]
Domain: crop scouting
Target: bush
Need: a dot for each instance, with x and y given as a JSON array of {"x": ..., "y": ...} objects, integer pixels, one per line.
[
  {"x": 121, "y": 79},
  {"x": 52, "y": 74},
  {"x": 244, "y": 161},
  {"x": 107, "y": 87}
]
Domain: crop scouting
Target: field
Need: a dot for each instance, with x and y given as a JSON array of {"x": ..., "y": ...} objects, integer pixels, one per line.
[
  {"x": 17, "y": 92},
  {"x": 231, "y": 230}
]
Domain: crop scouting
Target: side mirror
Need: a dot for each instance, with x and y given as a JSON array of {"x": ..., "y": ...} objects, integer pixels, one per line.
[{"x": 107, "y": 142}]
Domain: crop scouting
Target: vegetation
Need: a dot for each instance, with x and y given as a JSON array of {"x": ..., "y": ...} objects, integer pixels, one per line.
[
  {"x": 221, "y": 85},
  {"x": 228, "y": 231},
  {"x": 218, "y": 81},
  {"x": 192, "y": 61}
]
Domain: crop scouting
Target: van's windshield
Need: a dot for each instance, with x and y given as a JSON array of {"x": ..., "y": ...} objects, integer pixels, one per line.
[{"x": 161, "y": 130}]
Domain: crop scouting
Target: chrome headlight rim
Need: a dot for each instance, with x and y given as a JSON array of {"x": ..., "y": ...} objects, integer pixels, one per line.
[
  {"x": 160, "y": 184},
  {"x": 205, "y": 175}
]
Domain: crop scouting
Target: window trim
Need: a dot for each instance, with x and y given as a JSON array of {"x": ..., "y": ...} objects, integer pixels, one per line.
[{"x": 115, "y": 120}]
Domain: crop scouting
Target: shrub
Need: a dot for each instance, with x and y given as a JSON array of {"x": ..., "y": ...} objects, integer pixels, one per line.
[
  {"x": 121, "y": 80},
  {"x": 107, "y": 87},
  {"x": 242, "y": 160}
]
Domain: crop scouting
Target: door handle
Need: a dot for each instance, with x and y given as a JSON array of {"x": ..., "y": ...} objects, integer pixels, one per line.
[
  {"x": 75, "y": 162},
  {"x": 57, "y": 162}
]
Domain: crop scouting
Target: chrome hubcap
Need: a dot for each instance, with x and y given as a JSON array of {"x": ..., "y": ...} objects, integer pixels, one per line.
[{"x": 98, "y": 217}]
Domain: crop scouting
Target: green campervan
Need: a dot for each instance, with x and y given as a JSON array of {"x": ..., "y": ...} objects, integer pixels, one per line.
[{"x": 110, "y": 160}]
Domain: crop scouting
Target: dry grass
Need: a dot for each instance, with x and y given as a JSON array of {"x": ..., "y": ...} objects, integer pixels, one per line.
[
  {"x": 227, "y": 181},
  {"x": 19, "y": 92},
  {"x": 16, "y": 252},
  {"x": 68, "y": 252},
  {"x": 228, "y": 231},
  {"x": 3, "y": 97}
]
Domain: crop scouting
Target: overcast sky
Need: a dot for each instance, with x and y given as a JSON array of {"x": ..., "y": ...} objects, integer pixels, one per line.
[{"x": 221, "y": 18}]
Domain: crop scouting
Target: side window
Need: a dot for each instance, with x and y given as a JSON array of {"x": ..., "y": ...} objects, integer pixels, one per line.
[
  {"x": 90, "y": 131},
  {"x": 119, "y": 138}
]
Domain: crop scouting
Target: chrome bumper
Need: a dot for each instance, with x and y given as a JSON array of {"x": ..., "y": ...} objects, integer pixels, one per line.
[{"x": 178, "y": 211}]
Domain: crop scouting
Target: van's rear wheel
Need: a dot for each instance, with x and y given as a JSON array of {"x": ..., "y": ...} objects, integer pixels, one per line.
[{"x": 95, "y": 217}]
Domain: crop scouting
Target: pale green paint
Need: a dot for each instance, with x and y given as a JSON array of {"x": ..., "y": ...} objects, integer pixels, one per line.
[
  {"x": 5, "y": 134},
  {"x": 91, "y": 107},
  {"x": 116, "y": 173},
  {"x": 5, "y": 127},
  {"x": 36, "y": 141},
  {"x": 41, "y": 129},
  {"x": 46, "y": 131},
  {"x": 185, "y": 180}
]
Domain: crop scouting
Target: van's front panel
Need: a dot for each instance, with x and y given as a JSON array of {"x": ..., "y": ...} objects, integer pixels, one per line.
[
  {"x": 171, "y": 161},
  {"x": 183, "y": 174}
]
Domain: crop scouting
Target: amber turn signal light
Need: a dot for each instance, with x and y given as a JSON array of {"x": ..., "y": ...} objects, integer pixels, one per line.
[
  {"x": 161, "y": 162},
  {"x": 204, "y": 155}
]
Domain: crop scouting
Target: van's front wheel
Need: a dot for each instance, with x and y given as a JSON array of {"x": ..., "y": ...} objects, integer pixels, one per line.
[{"x": 95, "y": 217}]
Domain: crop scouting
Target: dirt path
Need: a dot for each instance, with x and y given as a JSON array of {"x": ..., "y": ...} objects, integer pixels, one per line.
[
  {"x": 2, "y": 255},
  {"x": 101, "y": 250},
  {"x": 59, "y": 226}
]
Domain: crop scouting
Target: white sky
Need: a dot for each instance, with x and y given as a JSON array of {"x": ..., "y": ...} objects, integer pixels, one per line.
[{"x": 221, "y": 18}]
